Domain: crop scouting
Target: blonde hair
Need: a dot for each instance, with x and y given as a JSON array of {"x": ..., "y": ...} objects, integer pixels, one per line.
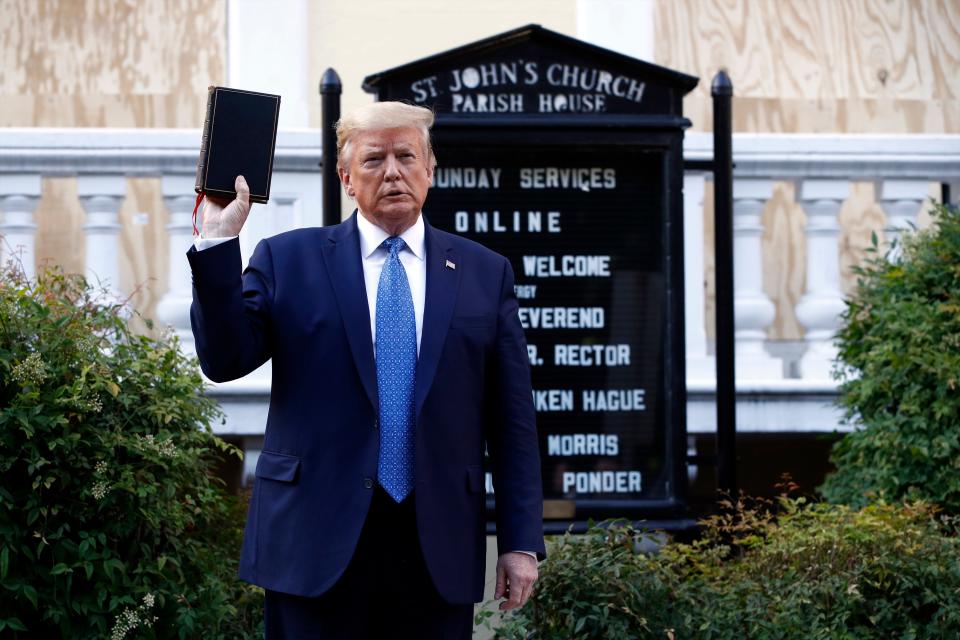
[{"x": 383, "y": 115}]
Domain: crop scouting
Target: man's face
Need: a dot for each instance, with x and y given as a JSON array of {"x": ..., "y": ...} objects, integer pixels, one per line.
[{"x": 389, "y": 173}]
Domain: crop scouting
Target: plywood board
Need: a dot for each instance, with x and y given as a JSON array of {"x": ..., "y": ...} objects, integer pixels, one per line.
[
  {"x": 820, "y": 65},
  {"x": 143, "y": 246},
  {"x": 89, "y": 63},
  {"x": 59, "y": 219}
]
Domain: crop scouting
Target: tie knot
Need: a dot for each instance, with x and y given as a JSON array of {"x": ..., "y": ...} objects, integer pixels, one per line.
[{"x": 394, "y": 244}]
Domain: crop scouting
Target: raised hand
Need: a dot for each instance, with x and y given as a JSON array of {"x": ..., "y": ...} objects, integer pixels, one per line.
[{"x": 223, "y": 218}]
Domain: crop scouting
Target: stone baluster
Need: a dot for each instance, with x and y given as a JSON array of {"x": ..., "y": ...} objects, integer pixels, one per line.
[
  {"x": 700, "y": 366},
  {"x": 174, "y": 307},
  {"x": 820, "y": 307},
  {"x": 753, "y": 310},
  {"x": 901, "y": 201},
  {"x": 101, "y": 197},
  {"x": 19, "y": 196}
]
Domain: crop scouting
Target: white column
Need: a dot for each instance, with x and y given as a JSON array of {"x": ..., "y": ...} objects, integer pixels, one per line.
[
  {"x": 700, "y": 366},
  {"x": 174, "y": 308},
  {"x": 820, "y": 307},
  {"x": 901, "y": 201},
  {"x": 268, "y": 49},
  {"x": 101, "y": 197},
  {"x": 19, "y": 196},
  {"x": 753, "y": 311}
]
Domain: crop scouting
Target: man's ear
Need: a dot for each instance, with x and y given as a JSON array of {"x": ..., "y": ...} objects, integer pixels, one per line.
[{"x": 345, "y": 181}]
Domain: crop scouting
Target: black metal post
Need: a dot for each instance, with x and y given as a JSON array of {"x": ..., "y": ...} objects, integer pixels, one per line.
[
  {"x": 722, "y": 92},
  {"x": 330, "y": 90}
]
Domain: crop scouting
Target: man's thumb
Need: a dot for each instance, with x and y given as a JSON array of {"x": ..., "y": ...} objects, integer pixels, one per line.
[
  {"x": 501, "y": 583},
  {"x": 243, "y": 190}
]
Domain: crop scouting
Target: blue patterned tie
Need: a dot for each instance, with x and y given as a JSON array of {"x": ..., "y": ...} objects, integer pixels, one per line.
[{"x": 396, "y": 365}]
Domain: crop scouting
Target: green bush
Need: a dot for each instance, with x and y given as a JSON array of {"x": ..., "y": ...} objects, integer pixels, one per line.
[
  {"x": 112, "y": 522},
  {"x": 809, "y": 572},
  {"x": 899, "y": 365}
]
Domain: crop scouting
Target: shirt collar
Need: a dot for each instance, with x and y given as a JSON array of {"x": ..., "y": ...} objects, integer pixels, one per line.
[{"x": 372, "y": 236}]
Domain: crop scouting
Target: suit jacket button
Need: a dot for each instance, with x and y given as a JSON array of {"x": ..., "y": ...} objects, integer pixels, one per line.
[{"x": 367, "y": 483}]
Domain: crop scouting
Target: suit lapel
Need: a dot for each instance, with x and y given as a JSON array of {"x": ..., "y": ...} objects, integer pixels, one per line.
[
  {"x": 442, "y": 285},
  {"x": 341, "y": 255}
]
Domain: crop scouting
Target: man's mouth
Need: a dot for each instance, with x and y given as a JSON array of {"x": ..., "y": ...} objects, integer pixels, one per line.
[{"x": 395, "y": 193}]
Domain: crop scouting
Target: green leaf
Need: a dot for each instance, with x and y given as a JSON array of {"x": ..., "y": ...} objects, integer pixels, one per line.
[
  {"x": 30, "y": 594},
  {"x": 60, "y": 568},
  {"x": 112, "y": 564},
  {"x": 4, "y": 562},
  {"x": 15, "y": 624}
]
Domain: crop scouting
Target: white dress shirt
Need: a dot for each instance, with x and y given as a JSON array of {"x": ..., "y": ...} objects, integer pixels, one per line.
[{"x": 412, "y": 257}]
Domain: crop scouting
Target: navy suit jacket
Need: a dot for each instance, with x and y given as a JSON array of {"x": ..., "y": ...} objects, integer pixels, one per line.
[{"x": 302, "y": 302}]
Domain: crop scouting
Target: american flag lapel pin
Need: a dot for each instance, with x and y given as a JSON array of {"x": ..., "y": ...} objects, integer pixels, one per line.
[{"x": 450, "y": 265}]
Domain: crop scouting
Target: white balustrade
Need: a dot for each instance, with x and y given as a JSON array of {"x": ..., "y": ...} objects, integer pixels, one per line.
[
  {"x": 700, "y": 365},
  {"x": 822, "y": 165},
  {"x": 753, "y": 310},
  {"x": 101, "y": 197},
  {"x": 19, "y": 195},
  {"x": 820, "y": 307},
  {"x": 901, "y": 201},
  {"x": 174, "y": 308}
]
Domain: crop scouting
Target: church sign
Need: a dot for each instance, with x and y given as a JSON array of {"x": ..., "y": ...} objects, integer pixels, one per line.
[
  {"x": 522, "y": 86},
  {"x": 567, "y": 159}
]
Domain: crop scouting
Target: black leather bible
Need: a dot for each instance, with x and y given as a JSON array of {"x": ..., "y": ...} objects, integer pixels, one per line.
[{"x": 239, "y": 138}]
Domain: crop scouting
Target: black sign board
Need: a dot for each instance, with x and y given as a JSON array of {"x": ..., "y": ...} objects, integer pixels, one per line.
[{"x": 567, "y": 159}]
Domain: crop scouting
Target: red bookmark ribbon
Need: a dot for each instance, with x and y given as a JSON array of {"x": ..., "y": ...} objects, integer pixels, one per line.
[{"x": 196, "y": 231}]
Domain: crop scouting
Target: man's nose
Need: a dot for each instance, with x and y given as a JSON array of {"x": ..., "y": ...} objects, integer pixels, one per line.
[{"x": 392, "y": 169}]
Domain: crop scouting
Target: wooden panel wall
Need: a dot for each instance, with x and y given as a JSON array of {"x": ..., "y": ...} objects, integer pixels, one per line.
[
  {"x": 851, "y": 66},
  {"x": 816, "y": 66},
  {"x": 98, "y": 63}
]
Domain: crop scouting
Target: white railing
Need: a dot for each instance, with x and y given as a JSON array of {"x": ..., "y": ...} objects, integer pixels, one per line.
[
  {"x": 103, "y": 159},
  {"x": 821, "y": 166}
]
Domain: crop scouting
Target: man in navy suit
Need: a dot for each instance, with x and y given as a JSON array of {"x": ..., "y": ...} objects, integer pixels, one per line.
[{"x": 398, "y": 359}]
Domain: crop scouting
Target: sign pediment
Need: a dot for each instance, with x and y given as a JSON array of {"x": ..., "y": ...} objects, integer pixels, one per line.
[{"x": 532, "y": 71}]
